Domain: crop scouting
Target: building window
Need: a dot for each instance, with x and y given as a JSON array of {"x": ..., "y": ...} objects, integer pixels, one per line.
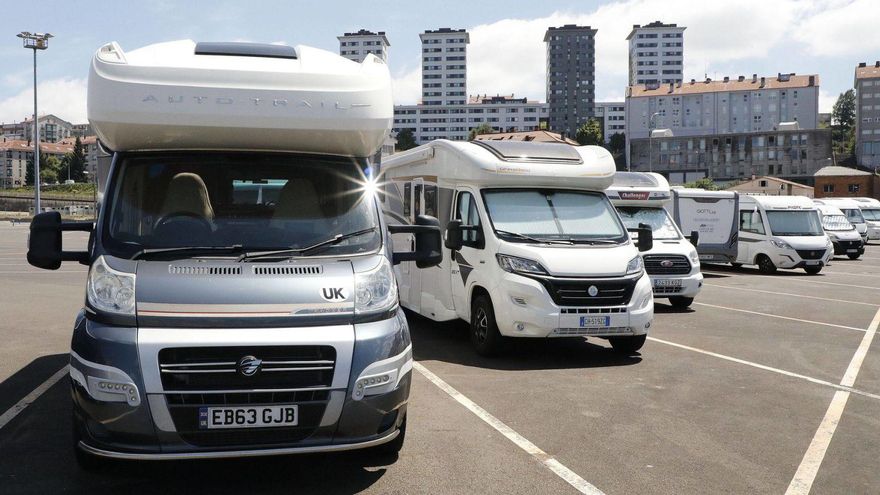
[{"x": 853, "y": 188}]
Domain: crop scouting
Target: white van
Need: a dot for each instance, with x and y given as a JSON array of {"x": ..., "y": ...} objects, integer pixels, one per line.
[
  {"x": 781, "y": 232},
  {"x": 534, "y": 248},
  {"x": 844, "y": 236},
  {"x": 871, "y": 211},
  {"x": 713, "y": 215},
  {"x": 673, "y": 263},
  {"x": 852, "y": 209}
]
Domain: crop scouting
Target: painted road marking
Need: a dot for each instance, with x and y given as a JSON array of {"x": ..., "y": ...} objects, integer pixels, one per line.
[
  {"x": 29, "y": 399},
  {"x": 798, "y": 279},
  {"x": 570, "y": 477},
  {"x": 769, "y": 368},
  {"x": 833, "y": 325},
  {"x": 803, "y": 479},
  {"x": 790, "y": 294}
]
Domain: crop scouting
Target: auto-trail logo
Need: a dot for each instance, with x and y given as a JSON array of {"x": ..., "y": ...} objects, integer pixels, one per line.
[
  {"x": 593, "y": 291},
  {"x": 249, "y": 365},
  {"x": 253, "y": 102},
  {"x": 334, "y": 294}
]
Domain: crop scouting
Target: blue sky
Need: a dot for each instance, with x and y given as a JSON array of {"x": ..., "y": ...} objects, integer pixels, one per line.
[{"x": 506, "y": 54}]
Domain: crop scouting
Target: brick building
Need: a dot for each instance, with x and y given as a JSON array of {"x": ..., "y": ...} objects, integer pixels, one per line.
[{"x": 843, "y": 182}]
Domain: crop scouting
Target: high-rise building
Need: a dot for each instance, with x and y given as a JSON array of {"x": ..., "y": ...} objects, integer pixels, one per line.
[
  {"x": 571, "y": 76},
  {"x": 444, "y": 66},
  {"x": 867, "y": 84},
  {"x": 613, "y": 115},
  {"x": 356, "y": 46},
  {"x": 656, "y": 53}
]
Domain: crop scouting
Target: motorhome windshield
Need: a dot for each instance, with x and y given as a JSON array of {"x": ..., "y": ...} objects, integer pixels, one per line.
[
  {"x": 553, "y": 214},
  {"x": 854, "y": 215},
  {"x": 239, "y": 201},
  {"x": 872, "y": 214},
  {"x": 792, "y": 223},
  {"x": 836, "y": 223},
  {"x": 657, "y": 218}
]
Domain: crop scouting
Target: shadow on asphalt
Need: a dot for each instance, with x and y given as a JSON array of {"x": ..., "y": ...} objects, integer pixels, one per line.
[
  {"x": 744, "y": 270},
  {"x": 449, "y": 342},
  {"x": 17, "y": 386}
]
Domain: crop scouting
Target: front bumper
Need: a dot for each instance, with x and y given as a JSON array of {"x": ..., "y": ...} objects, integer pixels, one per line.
[
  {"x": 849, "y": 247},
  {"x": 873, "y": 233},
  {"x": 789, "y": 259}
]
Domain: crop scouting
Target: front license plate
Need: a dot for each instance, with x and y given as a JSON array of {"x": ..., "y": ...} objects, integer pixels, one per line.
[
  {"x": 595, "y": 321},
  {"x": 812, "y": 262},
  {"x": 248, "y": 417},
  {"x": 852, "y": 250},
  {"x": 707, "y": 257},
  {"x": 667, "y": 283}
]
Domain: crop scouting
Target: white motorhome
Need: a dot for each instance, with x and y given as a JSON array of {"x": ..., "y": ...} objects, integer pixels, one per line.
[
  {"x": 713, "y": 216},
  {"x": 871, "y": 211},
  {"x": 673, "y": 263},
  {"x": 852, "y": 209},
  {"x": 844, "y": 236},
  {"x": 534, "y": 248},
  {"x": 781, "y": 232}
]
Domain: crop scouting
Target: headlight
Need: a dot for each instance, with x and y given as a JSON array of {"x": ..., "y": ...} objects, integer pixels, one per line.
[
  {"x": 109, "y": 290},
  {"x": 832, "y": 237},
  {"x": 513, "y": 264},
  {"x": 781, "y": 244},
  {"x": 694, "y": 256},
  {"x": 635, "y": 265},
  {"x": 375, "y": 290}
]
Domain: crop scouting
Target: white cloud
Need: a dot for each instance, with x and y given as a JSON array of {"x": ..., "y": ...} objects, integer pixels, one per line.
[
  {"x": 826, "y": 101},
  {"x": 840, "y": 28},
  {"x": 407, "y": 86},
  {"x": 65, "y": 98}
]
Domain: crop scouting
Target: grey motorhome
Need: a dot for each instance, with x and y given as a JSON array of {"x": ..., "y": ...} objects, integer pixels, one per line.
[
  {"x": 713, "y": 216},
  {"x": 240, "y": 299}
]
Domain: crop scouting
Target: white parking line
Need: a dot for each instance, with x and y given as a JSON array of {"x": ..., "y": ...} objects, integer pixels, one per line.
[
  {"x": 798, "y": 279},
  {"x": 790, "y": 294},
  {"x": 847, "y": 274},
  {"x": 570, "y": 477},
  {"x": 35, "y": 394},
  {"x": 803, "y": 479},
  {"x": 769, "y": 315}
]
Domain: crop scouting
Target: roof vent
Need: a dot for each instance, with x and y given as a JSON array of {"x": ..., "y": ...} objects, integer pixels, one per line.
[
  {"x": 754, "y": 78},
  {"x": 708, "y": 80},
  {"x": 763, "y": 80},
  {"x": 862, "y": 64},
  {"x": 693, "y": 81},
  {"x": 240, "y": 49},
  {"x": 726, "y": 79},
  {"x": 812, "y": 81},
  {"x": 877, "y": 63},
  {"x": 784, "y": 77},
  {"x": 671, "y": 87},
  {"x": 741, "y": 78}
]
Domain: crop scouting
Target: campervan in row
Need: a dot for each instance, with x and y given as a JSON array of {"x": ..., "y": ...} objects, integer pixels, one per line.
[
  {"x": 870, "y": 209},
  {"x": 672, "y": 263},
  {"x": 713, "y": 216},
  {"x": 240, "y": 299},
  {"x": 850, "y": 208},
  {"x": 844, "y": 236},
  {"x": 533, "y": 247}
]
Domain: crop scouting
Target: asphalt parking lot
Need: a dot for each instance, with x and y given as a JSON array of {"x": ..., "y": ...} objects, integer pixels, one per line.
[{"x": 768, "y": 384}]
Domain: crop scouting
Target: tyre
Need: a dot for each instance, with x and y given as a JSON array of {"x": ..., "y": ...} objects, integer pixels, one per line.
[
  {"x": 485, "y": 337},
  {"x": 736, "y": 265},
  {"x": 681, "y": 302},
  {"x": 393, "y": 447},
  {"x": 765, "y": 265},
  {"x": 853, "y": 256},
  {"x": 627, "y": 345},
  {"x": 812, "y": 270}
]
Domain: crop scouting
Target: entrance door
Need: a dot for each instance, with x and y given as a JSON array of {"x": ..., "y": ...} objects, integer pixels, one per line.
[{"x": 417, "y": 207}]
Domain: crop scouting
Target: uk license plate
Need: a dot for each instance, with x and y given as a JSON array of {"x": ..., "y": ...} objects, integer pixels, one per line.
[
  {"x": 667, "y": 282},
  {"x": 248, "y": 416},
  {"x": 595, "y": 321},
  {"x": 707, "y": 257}
]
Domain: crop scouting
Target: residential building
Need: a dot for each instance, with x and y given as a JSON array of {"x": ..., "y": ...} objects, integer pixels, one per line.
[
  {"x": 867, "y": 84},
  {"x": 656, "y": 53},
  {"x": 82, "y": 130},
  {"x": 613, "y": 116},
  {"x": 91, "y": 150},
  {"x": 571, "y": 76},
  {"x": 444, "y": 66},
  {"x": 772, "y": 186},
  {"x": 534, "y": 136},
  {"x": 52, "y": 128},
  {"x": 14, "y": 156},
  {"x": 842, "y": 182},
  {"x": 505, "y": 113},
  {"x": 356, "y": 46}
]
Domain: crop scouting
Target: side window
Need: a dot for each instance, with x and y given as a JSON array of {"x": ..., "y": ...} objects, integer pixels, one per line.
[
  {"x": 431, "y": 200},
  {"x": 466, "y": 211},
  {"x": 407, "y": 198},
  {"x": 750, "y": 221},
  {"x": 417, "y": 201}
]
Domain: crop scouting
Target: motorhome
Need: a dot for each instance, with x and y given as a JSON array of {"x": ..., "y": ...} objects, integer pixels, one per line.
[
  {"x": 852, "y": 209},
  {"x": 673, "y": 263},
  {"x": 713, "y": 215},
  {"x": 844, "y": 236},
  {"x": 240, "y": 299},
  {"x": 781, "y": 232},
  {"x": 870, "y": 208},
  {"x": 533, "y": 247}
]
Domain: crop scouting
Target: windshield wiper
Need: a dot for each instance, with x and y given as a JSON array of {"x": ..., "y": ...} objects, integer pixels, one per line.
[
  {"x": 594, "y": 241},
  {"x": 235, "y": 248},
  {"x": 533, "y": 239},
  {"x": 301, "y": 251}
]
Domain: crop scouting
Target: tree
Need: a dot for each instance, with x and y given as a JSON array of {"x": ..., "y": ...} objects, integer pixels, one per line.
[
  {"x": 74, "y": 163},
  {"x": 405, "y": 140},
  {"x": 617, "y": 143},
  {"x": 704, "y": 183},
  {"x": 49, "y": 168},
  {"x": 483, "y": 128},
  {"x": 589, "y": 133},
  {"x": 843, "y": 119}
]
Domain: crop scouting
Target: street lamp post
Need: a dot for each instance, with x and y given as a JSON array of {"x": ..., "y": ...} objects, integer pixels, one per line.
[
  {"x": 651, "y": 141},
  {"x": 36, "y": 41}
]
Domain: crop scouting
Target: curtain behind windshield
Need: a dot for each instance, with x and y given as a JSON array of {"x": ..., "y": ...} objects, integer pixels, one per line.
[
  {"x": 553, "y": 213},
  {"x": 656, "y": 218},
  {"x": 794, "y": 223},
  {"x": 836, "y": 222}
]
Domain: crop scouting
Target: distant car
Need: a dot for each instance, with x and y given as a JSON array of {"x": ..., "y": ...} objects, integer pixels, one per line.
[{"x": 68, "y": 181}]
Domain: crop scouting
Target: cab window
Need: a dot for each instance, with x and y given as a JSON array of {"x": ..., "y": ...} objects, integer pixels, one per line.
[
  {"x": 750, "y": 221},
  {"x": 466, "y": 211}
]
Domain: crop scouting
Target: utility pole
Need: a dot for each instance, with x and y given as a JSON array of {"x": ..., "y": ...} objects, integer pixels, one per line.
[{"x": 36, "y": 41}]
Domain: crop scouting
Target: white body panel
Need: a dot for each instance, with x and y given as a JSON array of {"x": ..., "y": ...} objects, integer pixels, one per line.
[
  {"x": 871, "y": 210},
  {"x": 523, "y": 306},
  {"x": 165, "y": 96},
  {"x": 713, "y": 214}
]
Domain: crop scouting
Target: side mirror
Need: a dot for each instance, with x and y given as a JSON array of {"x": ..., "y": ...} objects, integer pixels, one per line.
[
  {"x": 428, "y": 251},
  {"x": 454, "y": 239},
  {"x": 44, "y": 241},
  {"x": 646, "y": 237},
  {"x": 695, "y": 238}
]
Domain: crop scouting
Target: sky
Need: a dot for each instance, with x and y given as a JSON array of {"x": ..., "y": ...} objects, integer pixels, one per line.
[{"x": 506, "y": 53}]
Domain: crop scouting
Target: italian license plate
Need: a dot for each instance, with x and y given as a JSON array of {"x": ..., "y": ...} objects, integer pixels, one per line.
[
  {"x": 248, "y": 417},
  {"x": 852, "y": 250},
  {"x": 667, "y": 282},
  {"x": 812, "y": 262},
  {"x": 595, "y": 321},
  {"x": 707, "y": 257}
]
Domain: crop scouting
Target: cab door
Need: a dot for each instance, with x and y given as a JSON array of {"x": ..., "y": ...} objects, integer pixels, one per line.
[
  {"x": 472, "y": 254},
  {"x": 751, "y": 235}
]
